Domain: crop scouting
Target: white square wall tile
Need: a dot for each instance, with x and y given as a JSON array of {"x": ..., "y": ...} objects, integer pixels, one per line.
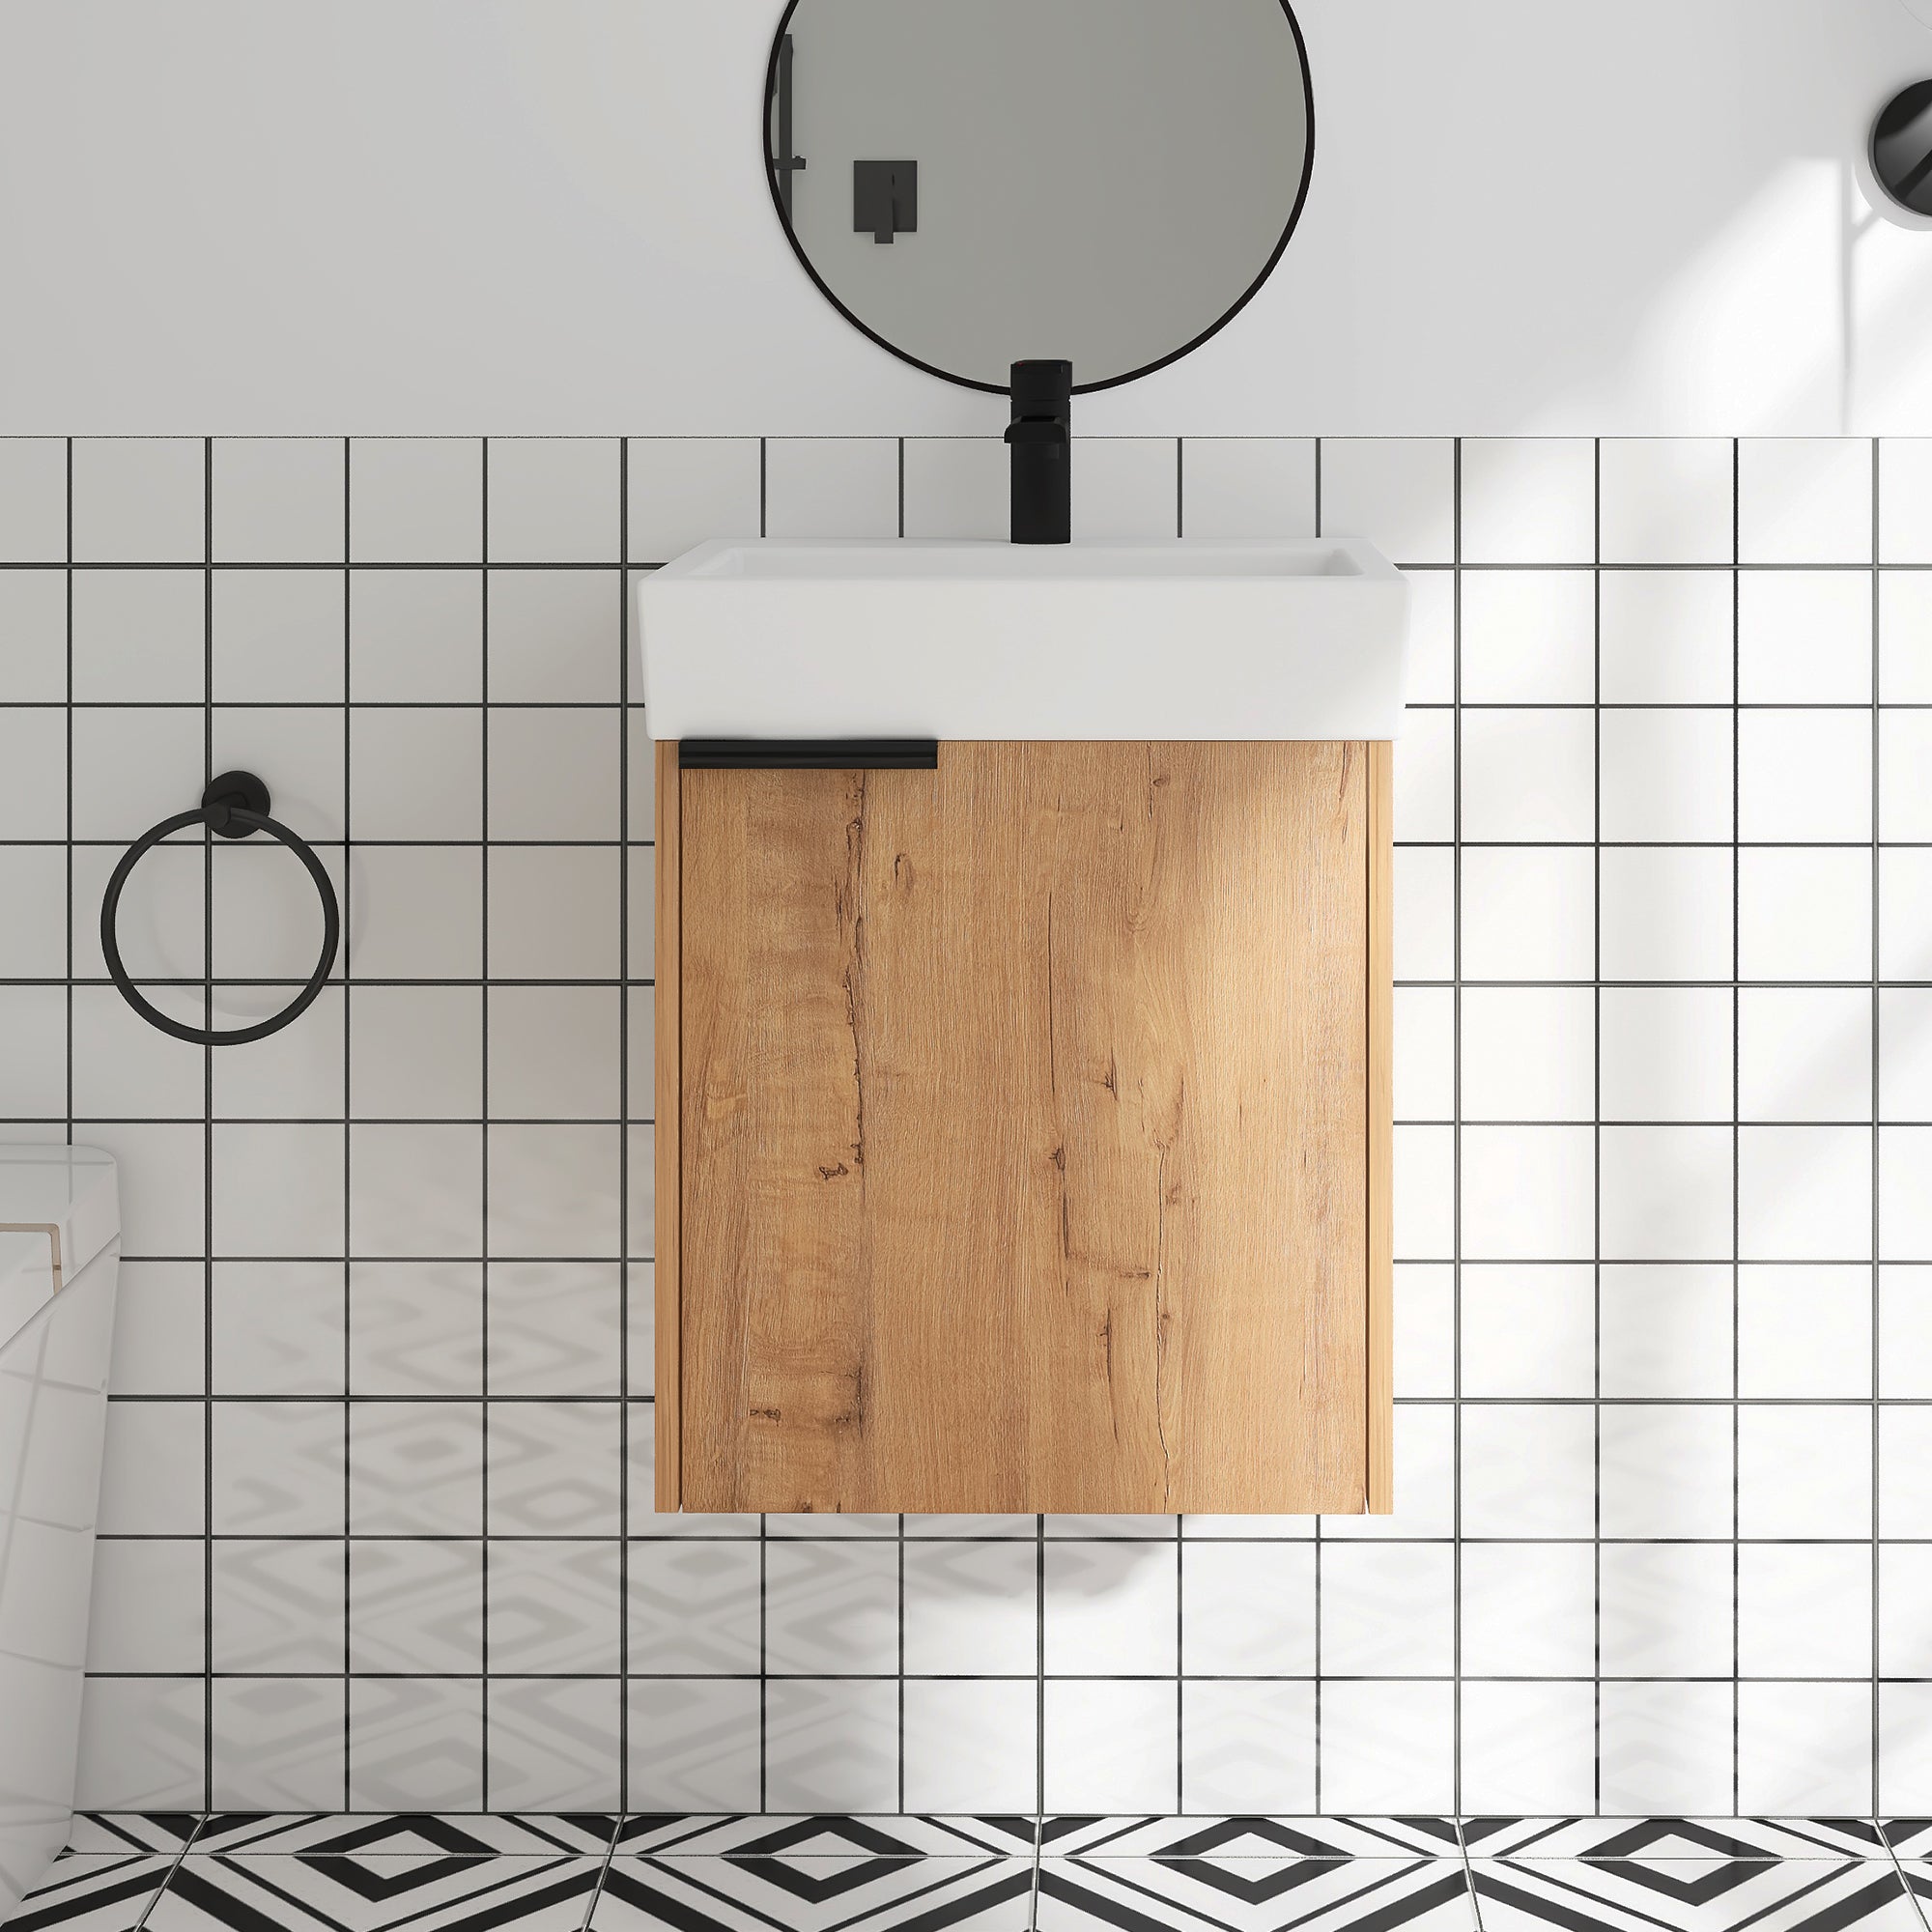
[
  {"x": 277, "y": 1469},
  {"x": 277, "y": 1189},
  {"x": 277, "y": 637},
  {"x": 1528, "y": 914},
  {"x": 694, "y": 1743},
  {"x": 1905, "y": 499},
  {"x": 1425, "y": 1330},
  {"x": 553, "y": 1052},
  {"x": 1425, "y": 1490},
  {"x": 1529, "y": 636},
  {"x": 33, "y": 636},
  {"x": 1528, "y": 1470},
  {"x": 553, "y": 913},
  {"x": 1804, "y": 1193},
  {"x": 1804, "y": 1609},
  {"x": 139, "y": 500},
  {"x": 1667, "y": 1609},
  {"x": 416, "y": 912},
  {"x": 1666, "y": 912},
  {"x": 415, "y": 499},
  {"x": 555, "y": 637},
  {"x": 279, "y": 500},
  {"x": 1665, "y": 774},
  {"x": 1388, "y": 1609},
  {"x": 1666, "y": 1332},
  {"x": 1425, "y": 914},
  {"x": 1528, "y": 1610},
  {"x": 831, "y": 1746},
  {"x": 1111, "y": 1607},
  {"x": 1528, "y": 775},
  {"x": 1529, "y": 1331},
  {"x": 1905, "y": 1051},
  {"x": 968, "y": 1745},
  {"x": 1666, "y": 1470},
  {"x": 277, "y": 1604},
  {"x": 33, "y": 1052},
  {"x": 1905, "y": 775},
  {"x": 33, "y": 499},
  {"x": 971, "y": 1608},
  {"x": 1424, "y": 777},
  {"x": 832, "y": 487},
  {"x": 1529, "y": 1193},
  {"x": 1905, "y": 1332},
  {"x": 1425, "y": 1052},
  {"x": 1249, "y": 487},
  {"x": 1424, "y": 1187},
  {"x": 415, "y": 1053},
  {"x": 1804, "y": 636},
  {"x": 148, "y": 1610},
  {"x": 416, "y": 773},
  {"x": 831, "y": 1609},
  {"x": 1905, "y": 1472},
  {"x": 1388, "y": 1747},
  {"x": 1247, "y": 1749},
  {"x": 1804, "y": 776},
  {"x": 554, "y": 772},
  {"x": 1399, "y": 493},
  {"x": 1665, "y": 1193},
  {"x": 1432, "y": 636},
  {"x": 553, "y": 1191},
  {"x": 415, "y": 1745},
  {"x": 416, "y": 1468},
  {"x": 1805, "y": 1332},
  {"x": 1904, "y": 1200},
  {"x": 1666, "y": 1748},
  {"x": 1805, "y": 1748},
  {"x": 140, "y": 636},
  {"x": 416, "y": 1189},
  {"x": 1529, "y": 1746},
  {"x": 1905, "y": 1609},
  {"x": 554, "y": 499},
  {"x": 1805, "y": 500},
  {"x": 1109, "y": 1747},
  {"x": 143, "y": 1744},
  {"x": 1528, "y": 1053},
  {"x": 1905, "y": 637},
  {"x": 1529, "y": 500},
  {"x": 1666, "y": 637},
  {"x": 1805, "y": 1470},
  {"x": 552, "y": 1744},
  {"x": 1126, "y": 488},
  {"x": 1665, "y": 1053},
  {"x": 1804, "y": 1053},
  {"x": 1905, "y": 930},
  {"x": 279, "y": 1743},
  {"x": 957, "y": 487},
  {"x": 684, "y": 489},
  {"x": 1804, "y": 915},
  {"x": 1248, "y": 1608},
  {"x": 1667, "y": 500},
  {"x": 415, "y": 635},
  {"x": 278, "y": 1329}
]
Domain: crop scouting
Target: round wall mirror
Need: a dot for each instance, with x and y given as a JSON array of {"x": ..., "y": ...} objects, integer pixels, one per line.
[{"x": 976, "y": 182}]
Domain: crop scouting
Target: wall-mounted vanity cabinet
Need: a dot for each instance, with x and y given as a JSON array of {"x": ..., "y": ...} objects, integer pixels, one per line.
[{"x": 1023, "y": 1130}]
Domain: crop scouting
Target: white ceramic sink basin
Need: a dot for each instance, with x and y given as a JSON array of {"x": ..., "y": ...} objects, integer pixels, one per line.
[{"x": 1294, "y": 637}]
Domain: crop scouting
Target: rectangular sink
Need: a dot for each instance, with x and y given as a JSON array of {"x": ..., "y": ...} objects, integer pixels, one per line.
[{"x": 1301, "y": 638}]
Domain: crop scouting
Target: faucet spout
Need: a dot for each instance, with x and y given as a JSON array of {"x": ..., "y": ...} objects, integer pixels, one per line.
[{"x": 1040, "y": 438}]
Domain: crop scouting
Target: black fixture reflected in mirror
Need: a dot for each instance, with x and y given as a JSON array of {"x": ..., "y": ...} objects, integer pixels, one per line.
[
  {"x": 1104, "y": 182},
  {"x": 1901, "y": 148}
]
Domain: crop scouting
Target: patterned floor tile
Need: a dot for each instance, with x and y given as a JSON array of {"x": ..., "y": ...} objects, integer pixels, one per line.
[
  {"x": 1909, "y": 1837},
  {"x": 1651, "y": 1838},
  {"x": 317, "y": 1892},
  {"x": 131, "y": 1830},
  {"x": 735, "y": 1894},
  {"x": 828, "y": 1835},
  {"x": 1252, "y": 1837},
  {"x": 1695, "y": 1894},
  {"x": 92, "y": 1891},
  {"x": 1429, "y": 1894},
  {"x": 405, "y": 1835}
]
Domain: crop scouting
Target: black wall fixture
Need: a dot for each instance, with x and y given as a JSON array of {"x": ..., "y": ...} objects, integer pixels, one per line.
[
  {"x": 1901, "y": 148},
  {"x": 885, "y": 199},
  {"x": 233, "y": 805}
]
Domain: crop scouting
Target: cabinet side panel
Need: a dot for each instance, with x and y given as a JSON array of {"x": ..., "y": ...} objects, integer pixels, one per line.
[
  {"x": 667, "y": 1406},
  {"x": 1381, "y": 1128}
]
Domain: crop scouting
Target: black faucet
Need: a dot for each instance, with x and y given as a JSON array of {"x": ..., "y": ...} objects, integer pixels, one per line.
[{"x": 1042, "y": 459}]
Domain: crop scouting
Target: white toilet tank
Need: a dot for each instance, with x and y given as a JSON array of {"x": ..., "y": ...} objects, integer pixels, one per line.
[{"x": 60, "y": 1244}]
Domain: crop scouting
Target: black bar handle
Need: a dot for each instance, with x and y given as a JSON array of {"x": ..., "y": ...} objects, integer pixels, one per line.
[
  {"x": 235, "y": 806},
  {"x": 807, "y": 754}
]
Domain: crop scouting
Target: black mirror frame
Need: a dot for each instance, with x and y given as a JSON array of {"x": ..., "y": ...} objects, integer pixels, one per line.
[{"x": 775, "y": 182}]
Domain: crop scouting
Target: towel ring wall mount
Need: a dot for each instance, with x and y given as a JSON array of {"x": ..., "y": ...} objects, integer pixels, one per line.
[{"x": 233, "y": 805}]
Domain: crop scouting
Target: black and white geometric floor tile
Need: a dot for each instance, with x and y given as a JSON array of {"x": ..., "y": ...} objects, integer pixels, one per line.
[
  {"x": 1650, "y": 1838},
  {"x": 1695, "y": 1894},
  {"x": 94, "y": 1892},
  {"x": 595, "y": 1873}
]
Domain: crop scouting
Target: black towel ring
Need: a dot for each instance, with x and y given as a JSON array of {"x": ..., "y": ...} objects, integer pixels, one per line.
[{"x": 234, "y": 804}]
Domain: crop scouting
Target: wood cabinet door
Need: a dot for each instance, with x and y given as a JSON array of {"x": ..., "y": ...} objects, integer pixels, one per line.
[{"x": 1017, "y": 1126}]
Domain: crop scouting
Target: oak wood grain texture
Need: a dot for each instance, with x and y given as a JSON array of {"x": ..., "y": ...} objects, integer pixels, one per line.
[
  {"x": 1380, "y": 994},
  {"x": 1024, "y": 1117},
  {"x": 667, "y": 1113}
]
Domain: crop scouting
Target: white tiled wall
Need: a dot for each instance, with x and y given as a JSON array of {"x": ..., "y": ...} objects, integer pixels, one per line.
[{"x": 377, "y": 1497}]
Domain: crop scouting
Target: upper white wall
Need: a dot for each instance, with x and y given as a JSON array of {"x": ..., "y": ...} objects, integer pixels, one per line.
[{"x": 1632, "y": 216}]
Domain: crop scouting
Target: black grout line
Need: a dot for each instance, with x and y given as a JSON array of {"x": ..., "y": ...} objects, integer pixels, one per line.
[
  {"x": 347, "y": 1157},
  {"x": 208, "y": 1126},
  {"x": 1597, "y": 1149},
  {"x": 1878, "y": 1113},
  {"x": 624, "y": 1659}
]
